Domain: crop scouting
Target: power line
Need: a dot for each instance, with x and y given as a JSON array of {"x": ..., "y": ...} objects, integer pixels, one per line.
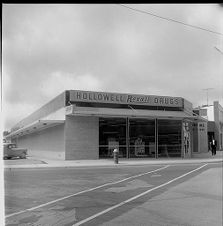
[
  {"x": 218, "y": 50},
  {"x": 169, "y": 19}
]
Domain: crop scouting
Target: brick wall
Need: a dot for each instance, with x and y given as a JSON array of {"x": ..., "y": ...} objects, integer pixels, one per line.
[
  {"x": 48, "y": 143},
  {"x": 81, "y": 137}
]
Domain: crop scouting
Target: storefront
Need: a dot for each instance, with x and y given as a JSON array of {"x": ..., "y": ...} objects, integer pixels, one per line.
[
  {"x": 140, "y": 137},
  {"x": 90, "y": 125}
]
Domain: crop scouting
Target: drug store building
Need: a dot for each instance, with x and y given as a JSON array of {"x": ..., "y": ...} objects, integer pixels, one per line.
[{"x": 90, "y": 125}]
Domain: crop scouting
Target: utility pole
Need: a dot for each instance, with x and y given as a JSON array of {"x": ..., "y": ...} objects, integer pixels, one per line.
[{"x": 207, "y": 89}]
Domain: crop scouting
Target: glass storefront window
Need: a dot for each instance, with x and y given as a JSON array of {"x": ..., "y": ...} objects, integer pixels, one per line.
[
  {"x": 169, "y": 138},
  {"x": 136, "y": 137}
]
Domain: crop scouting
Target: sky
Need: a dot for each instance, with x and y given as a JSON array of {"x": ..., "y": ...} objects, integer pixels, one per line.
[{"x": 49, "y": 48}]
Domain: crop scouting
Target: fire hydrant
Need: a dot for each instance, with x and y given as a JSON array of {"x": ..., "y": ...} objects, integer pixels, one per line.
[{"x": 115, "y": 154}]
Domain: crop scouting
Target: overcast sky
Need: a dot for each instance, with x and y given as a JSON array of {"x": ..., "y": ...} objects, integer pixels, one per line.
[{"x": 50, "y": 48}]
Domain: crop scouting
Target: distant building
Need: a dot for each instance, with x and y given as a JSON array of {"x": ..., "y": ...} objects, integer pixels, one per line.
[
  {"x": 214, "y": 115},
  {"x": 90, "y": 125}
]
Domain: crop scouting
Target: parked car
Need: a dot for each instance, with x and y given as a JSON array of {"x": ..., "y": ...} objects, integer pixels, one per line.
[{"x": 11, "y": 151}]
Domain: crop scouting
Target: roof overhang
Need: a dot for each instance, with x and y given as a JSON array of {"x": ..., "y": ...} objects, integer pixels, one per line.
[
  {"x": 123, "y": 112},
  {"x": 34, "y": 127}
]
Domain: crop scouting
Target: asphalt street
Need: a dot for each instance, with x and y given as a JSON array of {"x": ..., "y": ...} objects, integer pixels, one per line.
[{"x": 100, "y": 196}]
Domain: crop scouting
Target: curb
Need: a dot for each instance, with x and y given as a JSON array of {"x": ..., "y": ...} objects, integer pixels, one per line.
[{"x": 122, "y": 164}]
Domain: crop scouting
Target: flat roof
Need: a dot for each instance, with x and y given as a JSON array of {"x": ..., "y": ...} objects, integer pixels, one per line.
[
  {"x": 109, "y": 99},
  {"x": 35, "y": 127}
]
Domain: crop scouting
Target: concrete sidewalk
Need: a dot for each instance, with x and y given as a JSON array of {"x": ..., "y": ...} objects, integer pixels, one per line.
[{"x": 34, "y": 162}]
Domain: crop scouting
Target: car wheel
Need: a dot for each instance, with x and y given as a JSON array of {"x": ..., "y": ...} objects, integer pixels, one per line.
[
  {"x": 5, "y": 158},
  {"x": 23, "y": 156}
]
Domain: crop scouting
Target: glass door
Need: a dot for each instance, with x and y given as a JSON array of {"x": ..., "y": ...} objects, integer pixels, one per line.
[
  {"x": 141, "y": 138},
  {"x": 169, "y": 138},
  {"x": 112, "y": 135}
]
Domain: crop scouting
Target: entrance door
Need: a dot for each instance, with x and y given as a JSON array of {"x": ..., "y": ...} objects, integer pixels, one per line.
[
  {"x": 169, "y": 138},
  {"x": 141, "y": 138},
  {"x": 112, "y": 135}
]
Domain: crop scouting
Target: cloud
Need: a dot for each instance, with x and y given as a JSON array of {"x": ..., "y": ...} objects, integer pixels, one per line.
[
  {"x": 50, "y": 48},
  {"x": 58, "y": 82},
  {"x": 6, "y": 83},
  {"x": 15, "y": 112},
  {"x": 206, "y": 16}
]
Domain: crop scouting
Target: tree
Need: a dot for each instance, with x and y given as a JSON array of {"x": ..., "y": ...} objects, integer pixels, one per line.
[{"x": 5, "y": 133}]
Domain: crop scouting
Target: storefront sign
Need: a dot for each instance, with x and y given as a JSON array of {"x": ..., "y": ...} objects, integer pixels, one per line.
[{"x": 118, "y": 98}]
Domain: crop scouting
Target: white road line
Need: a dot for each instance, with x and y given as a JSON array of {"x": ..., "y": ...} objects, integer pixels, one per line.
[
  {"x": 81, "y": 192},
  {"x": 135, "y": 197}
]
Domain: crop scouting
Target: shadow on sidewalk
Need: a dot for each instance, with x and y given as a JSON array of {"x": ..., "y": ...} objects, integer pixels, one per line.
[{"x": 28, "y": 161}]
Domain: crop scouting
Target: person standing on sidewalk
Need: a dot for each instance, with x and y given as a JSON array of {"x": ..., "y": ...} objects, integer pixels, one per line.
[{"x": 213, "y": 146}]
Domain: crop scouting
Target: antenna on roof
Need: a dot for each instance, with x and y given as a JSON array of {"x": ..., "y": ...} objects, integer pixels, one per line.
[{"x": 207, "y": 89}]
